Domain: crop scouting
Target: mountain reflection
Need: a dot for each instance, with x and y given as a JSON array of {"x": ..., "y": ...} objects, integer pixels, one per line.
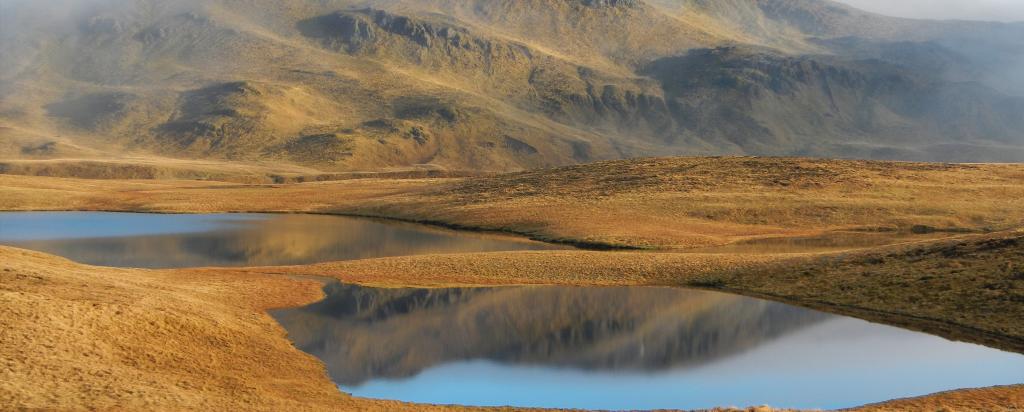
[
  {"x": 365, "y": 333},
  {"x": 266, "y": 240}
]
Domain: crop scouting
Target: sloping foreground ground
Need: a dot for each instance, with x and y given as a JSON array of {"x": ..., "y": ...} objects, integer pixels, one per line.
[
  {"x": 78, "y": 336},
  {"x": 75, "y": 336}
]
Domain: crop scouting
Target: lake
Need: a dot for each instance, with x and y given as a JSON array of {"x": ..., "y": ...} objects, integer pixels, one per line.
[
  {"x": 623, "y": 348},
  {"x": 175, "y": 241},
  {"x": 598, "y": 348}
]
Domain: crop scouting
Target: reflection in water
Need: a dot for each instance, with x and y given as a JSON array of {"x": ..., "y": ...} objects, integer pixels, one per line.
[
  {"x": 164, "y": 241},
  {"x": 622, "y": 348},
  {"x": 587, "y": 328},
  {"x": 597, "y": 348}
]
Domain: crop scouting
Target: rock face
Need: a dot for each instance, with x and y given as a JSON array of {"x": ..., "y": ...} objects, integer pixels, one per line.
[
  {"x": 756, "y": 98},
  {"x": 529, "y": 78},
  {"x": 501, "y": 85},
  {"x": 611, "y": 3}
]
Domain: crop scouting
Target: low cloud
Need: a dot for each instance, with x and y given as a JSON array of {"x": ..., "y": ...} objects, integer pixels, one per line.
[{"x": 993, "y": 10}]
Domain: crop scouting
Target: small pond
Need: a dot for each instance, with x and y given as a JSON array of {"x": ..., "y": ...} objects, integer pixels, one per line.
[{"x": 623, "y": 348}]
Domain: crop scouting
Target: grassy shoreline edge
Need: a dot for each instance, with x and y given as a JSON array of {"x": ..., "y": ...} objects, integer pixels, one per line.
[{"x": 835, "y": 276}]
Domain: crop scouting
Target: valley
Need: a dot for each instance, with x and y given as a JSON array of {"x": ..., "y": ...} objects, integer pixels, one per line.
[{"x": 312, "y": 204}]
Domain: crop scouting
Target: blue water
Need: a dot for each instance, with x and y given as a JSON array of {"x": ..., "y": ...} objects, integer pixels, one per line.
[
  {"x": 175, "y": 241},
  {"x": 807, "y": 370},
  {"x": 17, "y": 227},
  {"x": 597, "y": 348},
  {"x": 624, "y": 348}
]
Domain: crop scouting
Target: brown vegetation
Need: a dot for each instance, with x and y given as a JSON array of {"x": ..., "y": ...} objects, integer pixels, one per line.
[
  {"x": 61, "y": 322},
  {"x": 99, "y": 338},
  {"x": 500, "y": 85},
  {"x": 92, "y": 338},
  {"x": 965, "y": 289},
  {"x": 998, "y": 399},
  {"x": 669, "y": 203}
]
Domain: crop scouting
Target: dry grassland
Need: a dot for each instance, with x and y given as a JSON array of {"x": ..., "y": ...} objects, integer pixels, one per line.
[
  {"x": 75, "y": 336},
  {"x": 649, "y": 203},
  {"x": 99, "y": 338}
]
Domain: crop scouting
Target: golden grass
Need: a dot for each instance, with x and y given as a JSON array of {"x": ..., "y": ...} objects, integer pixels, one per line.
[
  {"x": 997, "y": 399},
  {"x": 967, "y": 289},
  {"x": 579, "y": 268},
  {"x": 91, "y": 338},
  {"x": 193, "y": 338},
  {"x": 84, "y": 337},
  {"x": 650, "y": 203},
  {"x": 76, "y": 337}
]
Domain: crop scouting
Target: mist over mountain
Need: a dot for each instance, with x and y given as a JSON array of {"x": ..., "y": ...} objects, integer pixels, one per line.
[
  {"x": 497, "y": 85},
  {"x": 986, "y": 10}
]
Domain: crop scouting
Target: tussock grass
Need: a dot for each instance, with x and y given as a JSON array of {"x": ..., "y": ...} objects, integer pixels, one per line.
[{"x": 952, "y": 279}]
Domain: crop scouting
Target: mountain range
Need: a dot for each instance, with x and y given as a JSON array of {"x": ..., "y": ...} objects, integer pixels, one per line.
[{"x": 501, "y": 85}]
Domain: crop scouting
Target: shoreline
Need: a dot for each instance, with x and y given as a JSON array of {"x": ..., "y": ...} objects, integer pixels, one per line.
[
  {"x": 435, "y": 224},
  {"x": 249, "y": 277},
  {"x": 919, "y": 285}
]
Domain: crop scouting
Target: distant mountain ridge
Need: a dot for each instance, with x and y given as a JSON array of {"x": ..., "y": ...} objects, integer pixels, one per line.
[{"x": 496, "y": 85}]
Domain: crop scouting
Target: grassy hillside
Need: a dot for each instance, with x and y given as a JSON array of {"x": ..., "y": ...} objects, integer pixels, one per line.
[
  {"x": 201, "y": 339},
  {"x": 504, "y": 85}
]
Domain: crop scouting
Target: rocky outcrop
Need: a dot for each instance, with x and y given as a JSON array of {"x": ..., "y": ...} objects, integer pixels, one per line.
[
  {"x": 768, "y": 103},
  {"x": 612, "y": 3},
  {"x": 575, "y": 80},
  {"x": 565, "y": 91},
  {"x": 91, "y": 111}
]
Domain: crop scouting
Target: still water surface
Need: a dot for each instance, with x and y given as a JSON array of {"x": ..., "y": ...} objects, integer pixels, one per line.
[
  {"x": 623, "y": 348},
  {"x": 173, "y": 241},
  {"x": 600, "y": 348}
]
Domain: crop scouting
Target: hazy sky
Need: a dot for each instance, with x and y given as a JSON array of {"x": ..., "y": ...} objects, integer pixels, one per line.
[{"x": 1001, "y": 10}]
